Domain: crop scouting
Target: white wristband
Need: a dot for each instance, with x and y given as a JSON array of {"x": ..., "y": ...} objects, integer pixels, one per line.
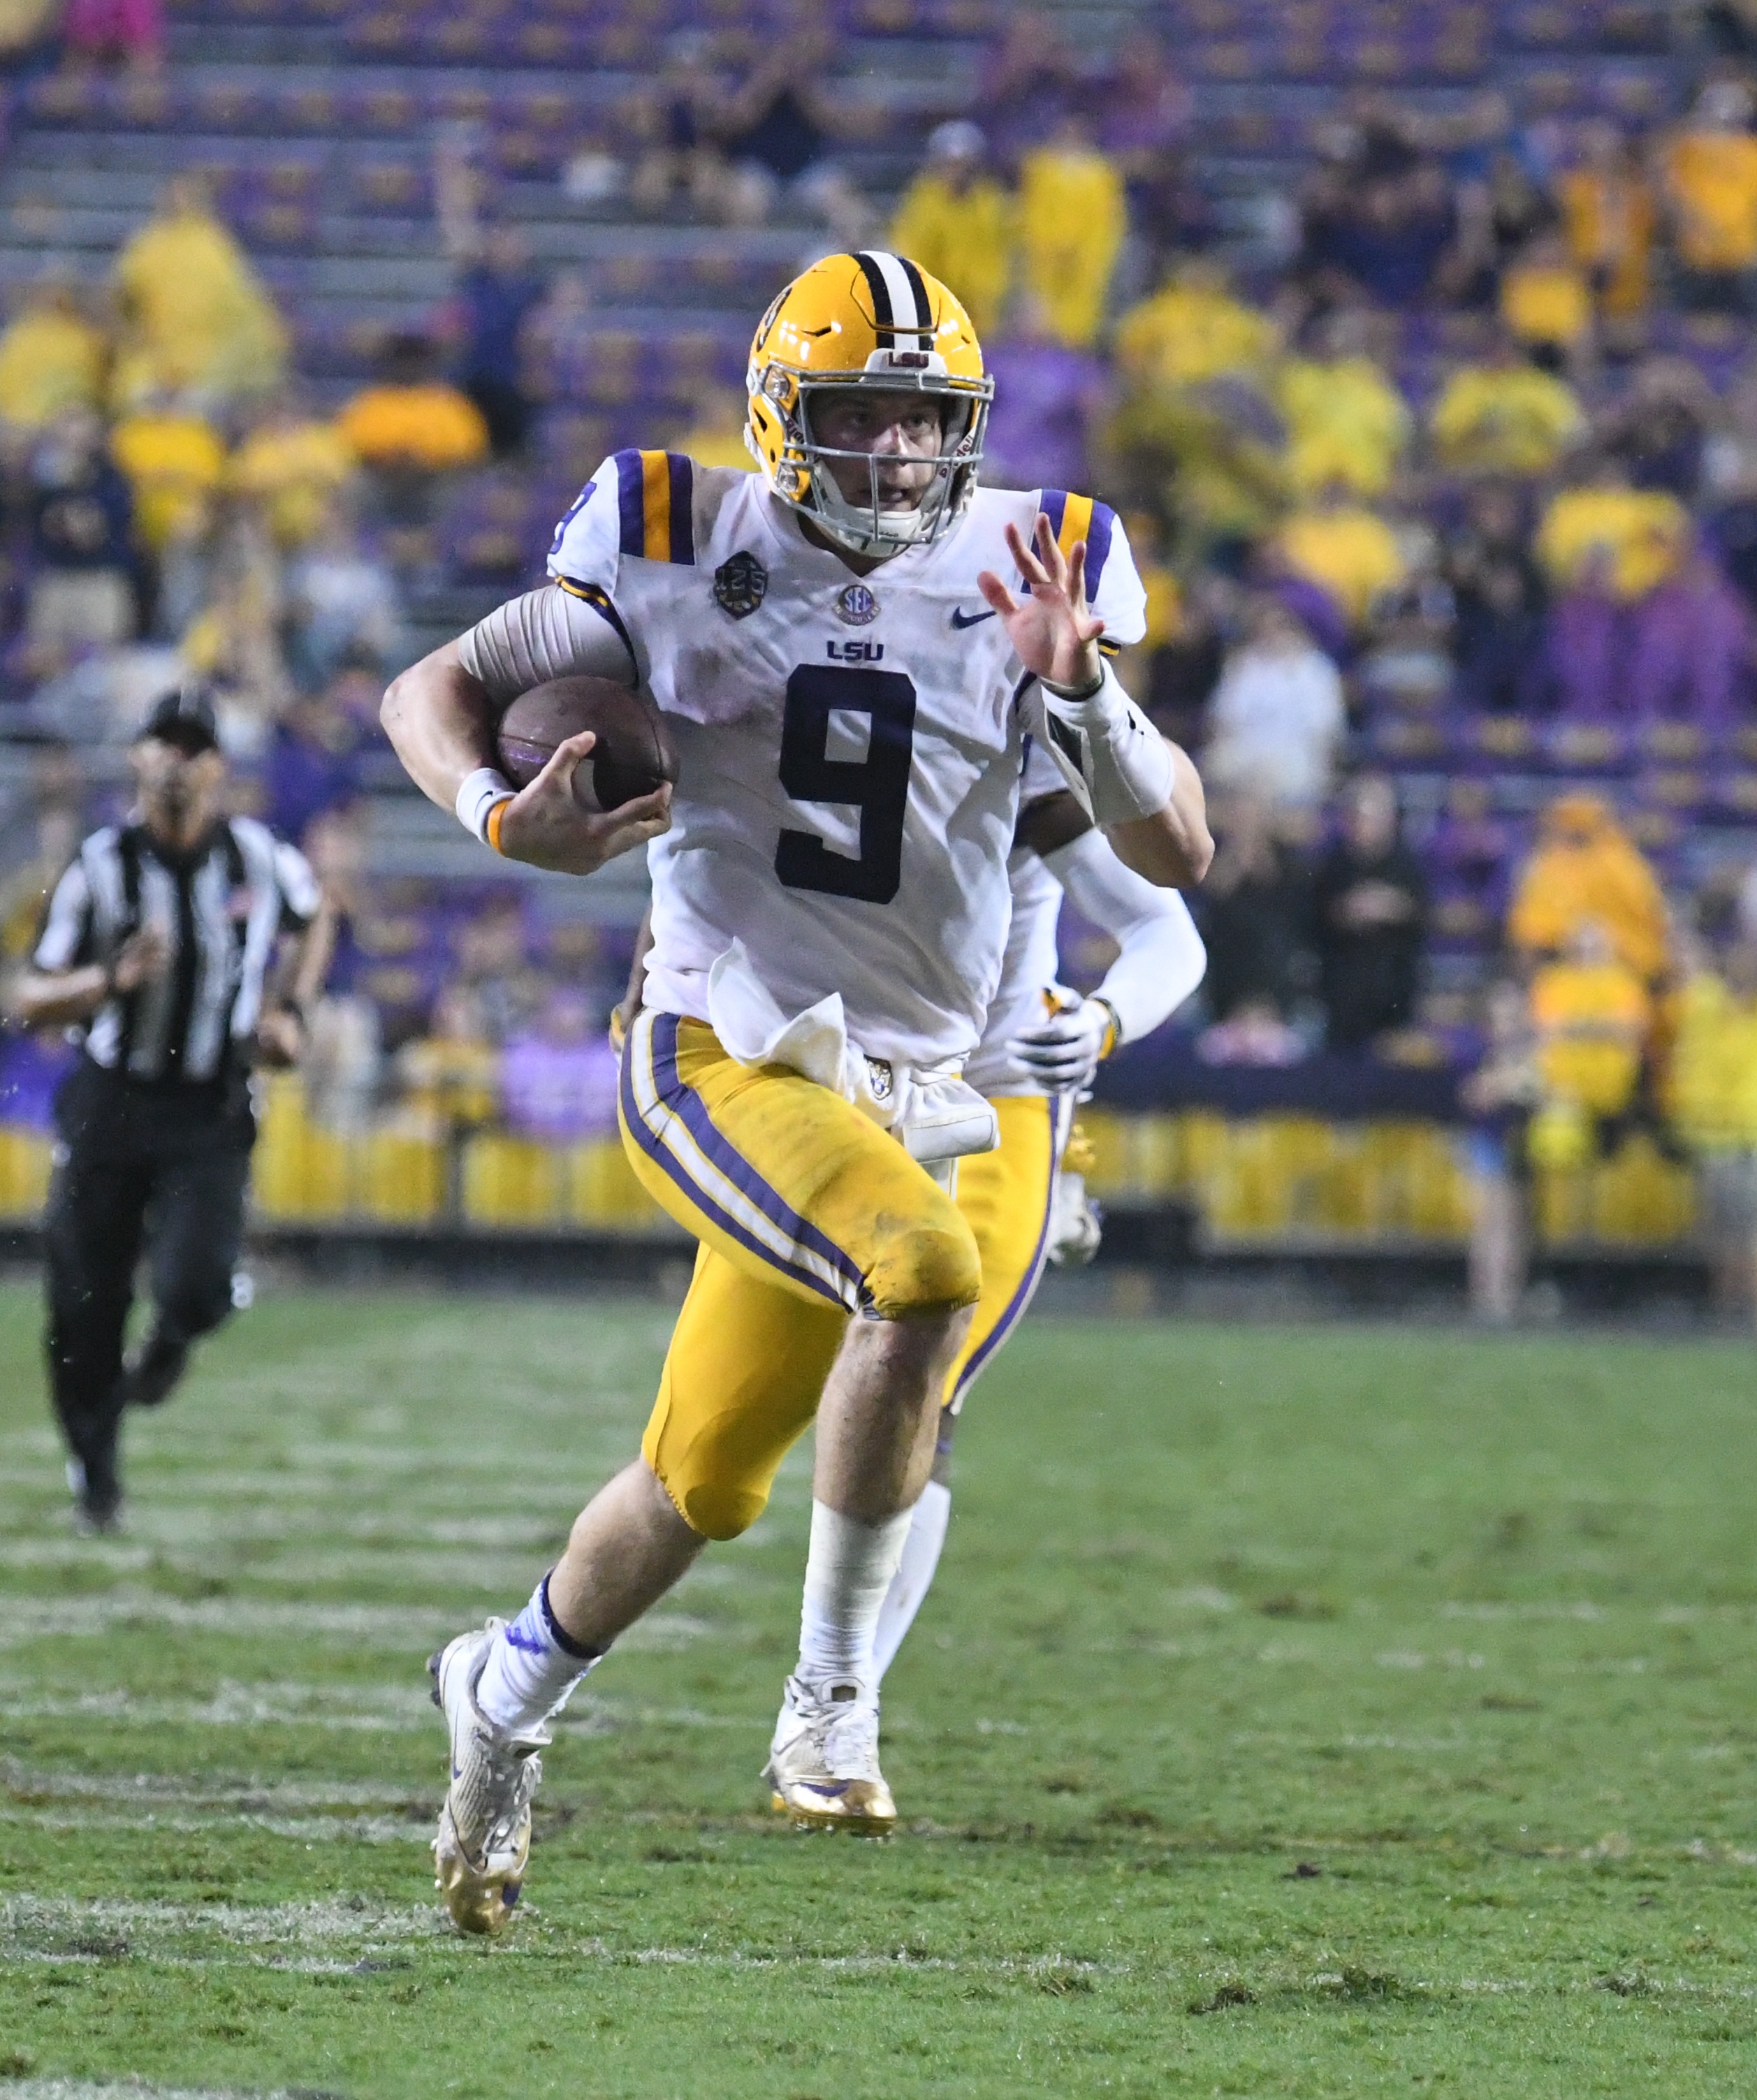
[{"x": 477, "y": 800}]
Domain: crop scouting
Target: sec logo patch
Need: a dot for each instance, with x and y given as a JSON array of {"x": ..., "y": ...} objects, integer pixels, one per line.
[{"x": 856, "y": 607}]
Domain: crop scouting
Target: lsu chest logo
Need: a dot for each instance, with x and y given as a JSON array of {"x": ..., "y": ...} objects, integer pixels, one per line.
[{"x": 855, "y": 652}]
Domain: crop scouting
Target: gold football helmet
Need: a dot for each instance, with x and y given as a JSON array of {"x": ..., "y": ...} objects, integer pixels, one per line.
[{"x": 874, "y": 320}]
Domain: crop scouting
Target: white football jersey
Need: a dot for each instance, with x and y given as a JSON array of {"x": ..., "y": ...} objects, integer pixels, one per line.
[{"x": 851, "y": 748}]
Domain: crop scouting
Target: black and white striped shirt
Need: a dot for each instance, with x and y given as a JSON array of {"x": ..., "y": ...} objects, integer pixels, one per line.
[{"x": 222, "y": 909}]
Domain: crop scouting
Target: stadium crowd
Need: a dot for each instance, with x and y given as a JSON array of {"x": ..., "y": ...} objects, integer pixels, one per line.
[{"x": 1447, "y": 504}]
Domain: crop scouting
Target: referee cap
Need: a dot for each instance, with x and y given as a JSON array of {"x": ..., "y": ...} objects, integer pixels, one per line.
[{"x": 183, "y": 716}]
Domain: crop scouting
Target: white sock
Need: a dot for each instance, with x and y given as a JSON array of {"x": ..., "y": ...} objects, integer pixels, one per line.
[
  {"x": 531, "y": 1667},
  {"x": 914, "y": 1574},
  {"x": 848, "y": 1571}
]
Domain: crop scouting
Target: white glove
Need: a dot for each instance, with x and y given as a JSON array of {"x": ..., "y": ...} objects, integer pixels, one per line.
[
  {"x": 1065, "y": 1052},
  {"x": 1075, "y": 1227}
]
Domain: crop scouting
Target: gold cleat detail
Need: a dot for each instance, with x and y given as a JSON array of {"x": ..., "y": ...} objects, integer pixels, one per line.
[
  {"x": 861, "y": 1806},
  {"x": 478, "y": 1899}
]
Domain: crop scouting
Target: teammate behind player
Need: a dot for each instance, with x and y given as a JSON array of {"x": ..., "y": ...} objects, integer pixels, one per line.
[
  {"x": 1039, "y": 1053},
  {"x": 830, "y": 908}
]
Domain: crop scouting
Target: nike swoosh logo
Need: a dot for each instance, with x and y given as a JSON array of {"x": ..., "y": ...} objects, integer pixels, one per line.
[{"x": 960, "y": 617}]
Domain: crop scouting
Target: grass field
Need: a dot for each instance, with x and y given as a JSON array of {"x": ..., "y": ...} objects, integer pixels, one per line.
[{"x": 1307, "y": 1711}]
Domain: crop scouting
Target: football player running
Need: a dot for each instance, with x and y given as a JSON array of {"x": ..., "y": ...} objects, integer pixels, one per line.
[{"x": 831, "y": 904}]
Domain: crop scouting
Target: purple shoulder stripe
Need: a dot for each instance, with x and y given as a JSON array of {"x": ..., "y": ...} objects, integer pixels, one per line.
[
  {"x": 682, "y": 470},
  {"x": 631, "y": 506},
  {"x": 1098, "y": 547}
]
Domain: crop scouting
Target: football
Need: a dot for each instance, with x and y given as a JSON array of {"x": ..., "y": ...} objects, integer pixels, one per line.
[{"x": 633, "y": 753}]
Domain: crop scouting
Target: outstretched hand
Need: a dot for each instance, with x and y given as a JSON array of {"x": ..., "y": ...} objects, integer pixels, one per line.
[
  {"x": 1053, "y": 631},
  {"x": 545, "y": 827}
]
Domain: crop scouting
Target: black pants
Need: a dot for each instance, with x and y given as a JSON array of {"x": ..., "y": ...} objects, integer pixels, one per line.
[{"x": 164, "y": 1164}]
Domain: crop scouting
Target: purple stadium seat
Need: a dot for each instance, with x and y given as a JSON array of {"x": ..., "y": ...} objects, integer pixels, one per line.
[
  {"x": 401, "y": 187},
  {"x": 386, "y": 112},
  {"x": 309, "y": 109}
]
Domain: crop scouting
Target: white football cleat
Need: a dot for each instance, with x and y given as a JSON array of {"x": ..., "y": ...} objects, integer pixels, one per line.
[
  {"x": 824, "y": 1765},
  {"x": 484, "y": 1835}
]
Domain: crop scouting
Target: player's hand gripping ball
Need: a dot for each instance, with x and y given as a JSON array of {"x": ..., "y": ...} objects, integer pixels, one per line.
[{"x": 633, "y": 754}]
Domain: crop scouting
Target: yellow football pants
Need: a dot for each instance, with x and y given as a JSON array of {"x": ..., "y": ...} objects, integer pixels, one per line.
[{"x": 807, "y": 1211}]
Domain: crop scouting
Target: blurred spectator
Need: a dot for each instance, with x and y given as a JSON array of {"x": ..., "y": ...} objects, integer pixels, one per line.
[
  {"x": 1250, "y": 910},
  {"x": 1192, "y": 329},
  {"x": 175, "y": 464},
  {"x": 717, "y": 436},
  {"x": 559, "y": 1079},
  {"x": 51, "y": 358},
  {"x": 1609, "y": 213},
  {"x": 1171, "y": 217},
  {"x": 1185, "y": 656},
  {"x": 1691, "y": 654},
  {"x": 1498, "y": 600},
  {"x": 1466, "y": 853},
  {"x": 1027, "y": 83},
  {"x": 411, "y": 428},
  {"x": 1348, "y": 550},
  {"x": 1072, "y": 221},
  {"x": 450, "y": 1079},
  {"x": 1500, "y": 218},
  {"x": 1381, "y": 231},
  {"x": 1499, "y": 1096},
  {"x": 1591, "y": 1013},
  {"x": 340, "y": 603},
  {"x": 492, "y": 962},
  {"x": 495, "y": 290},
  {"x": 678, "y": 154},
  {"x": 777, "y": 126},
  {"x": 25, "y": 888},
  {"x": 1714, "y": 1101},
  {"x": 1504, "y": 417},
  {"x": 82, "y": 521},
  {"x": 1659, "y": 431},
  {"x": 956, "y": 220},
  {"x": 1212, "y": 455},
  {"x": 1710, "y": 173},
  {"x": 130, "y": 30},
  {"x": 343, "y": 1064},
  {"x": 1586, "y": 867},
  {"x": 1602, "y": 534},
  {"x": 1277, "y": 719},
  {"x": 1141, "y": 108},
  {"x": 294, "y": 466},
  {"x": 554, "y": 335},
  {"x": 1547, "y": 303},
  {"x": 195, "y": 316},
  {"x": 311, "y": 766},
  {"x": 233, "y": 641},
  {"x": 1047, "y": 398},
  {"x": 1369, "y": 908},
  {"x": 1347, "y": 424}
]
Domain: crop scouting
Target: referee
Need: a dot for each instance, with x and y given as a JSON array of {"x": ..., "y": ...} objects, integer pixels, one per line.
[{"x": 163, "y": 951}]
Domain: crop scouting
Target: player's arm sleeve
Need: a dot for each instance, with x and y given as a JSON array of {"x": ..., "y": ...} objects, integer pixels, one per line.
[
  {"x": 66, "y": 943},
  {"x": 554, "y": 633},
  {"x": 573, "y": 626},
  {"x": 1161, "y": 958}
]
